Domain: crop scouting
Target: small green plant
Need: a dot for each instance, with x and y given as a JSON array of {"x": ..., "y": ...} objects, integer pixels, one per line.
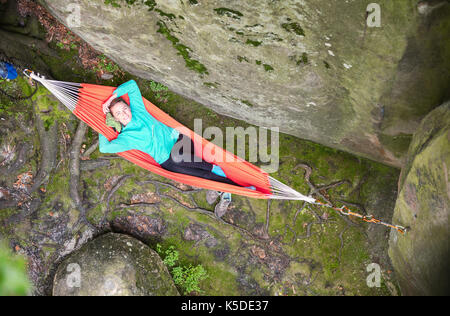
[
  {"x": 105, "y": 65},
  {"x": 13, "y": 276},
  {"x": 170, "y": 255},
  {"x": 159, "y": 90},
  {"x": 187, "y": 278}
]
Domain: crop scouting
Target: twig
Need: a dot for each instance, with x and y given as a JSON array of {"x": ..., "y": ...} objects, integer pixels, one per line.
[
  {"x": 90, "y": 150},
  {"x": 266, "y": 226}
]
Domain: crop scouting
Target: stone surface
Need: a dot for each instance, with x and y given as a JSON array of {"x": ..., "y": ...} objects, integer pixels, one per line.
[
  {"x": 313, "y": 67},
  {"x": 421, "y": 257},
  {"x": 113, "y": 265}
]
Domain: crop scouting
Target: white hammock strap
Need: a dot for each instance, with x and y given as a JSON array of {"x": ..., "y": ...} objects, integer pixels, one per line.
[
  {"x": 66, "y": 92},
  {"x": 281, "y": 191}
]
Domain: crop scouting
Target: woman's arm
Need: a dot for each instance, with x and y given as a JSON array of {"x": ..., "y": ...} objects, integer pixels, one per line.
[
  {"x": 114, "y": 146},
  {"x": 134, "y": 93}
]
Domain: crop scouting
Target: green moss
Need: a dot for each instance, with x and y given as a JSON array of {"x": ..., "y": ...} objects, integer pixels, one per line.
[
  {"x": 164, "y": 14},
  {"x": 326, "y": 64},
  {"x": 246, "y": 102},
  {"x": 115, "y": 3},
  {"x": 254, "y": 25},
  {"x": 303, "y": 59},
  {"x": 293, "y": 27},
  {"x": 253, "y": 43},
  {"x": 183, "y": 50},
  {"x": 7, "y": 213},
  {"x": 229, "y": 12},
  {"x": 58, "y": 186},
  {"x": 268, "y": 67},
  {"x": 151, "y": 4},
  {"x": 241, "y": 58},
  {"x": 398, "y": 144},
  {"x": 47, "y": 105}
]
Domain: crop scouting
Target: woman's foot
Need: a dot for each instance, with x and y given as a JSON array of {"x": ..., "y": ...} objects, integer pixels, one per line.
[
  {"x": 211, "y": 196},
  {"x": 222, "y": 207}
]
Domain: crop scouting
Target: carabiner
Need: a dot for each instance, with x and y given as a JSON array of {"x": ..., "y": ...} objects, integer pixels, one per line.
[{"x": 26, "y": 71}]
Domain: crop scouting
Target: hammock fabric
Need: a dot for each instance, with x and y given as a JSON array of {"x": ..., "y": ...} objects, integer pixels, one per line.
[{"x": 85, "y": 101}]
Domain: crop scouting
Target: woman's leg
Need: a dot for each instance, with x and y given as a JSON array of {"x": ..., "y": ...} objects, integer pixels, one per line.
[
  {"x": 201, "y": 169},
  {"x": 170, "y": 165}
]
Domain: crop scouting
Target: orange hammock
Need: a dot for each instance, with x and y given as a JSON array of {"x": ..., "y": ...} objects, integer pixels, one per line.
[
  {"x": 85, "y": 101},
  {"x": 89, "y": 109}
]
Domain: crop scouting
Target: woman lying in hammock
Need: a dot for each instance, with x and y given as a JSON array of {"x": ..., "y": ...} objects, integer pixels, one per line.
[{"x": 143, "y": 132}]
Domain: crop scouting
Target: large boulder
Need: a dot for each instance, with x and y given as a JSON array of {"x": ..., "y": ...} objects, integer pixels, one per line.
[
  {"x": 314, "y": 68},
  {"x": 421, "y": 257},
  {"x": 113, "y": 265}
]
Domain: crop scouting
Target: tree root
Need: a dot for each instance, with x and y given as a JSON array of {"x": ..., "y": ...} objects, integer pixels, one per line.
[
  {"x": 74, "y": 169},
  {"x": 74, "y": 164},
  {"x": 49, "y": 146}
]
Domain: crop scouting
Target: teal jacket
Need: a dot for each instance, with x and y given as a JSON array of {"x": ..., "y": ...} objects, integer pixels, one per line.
[{"x": 144, "y": 132}]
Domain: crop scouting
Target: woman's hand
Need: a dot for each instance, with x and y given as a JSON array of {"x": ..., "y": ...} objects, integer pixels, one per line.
[{"x": 107, "y": 103}]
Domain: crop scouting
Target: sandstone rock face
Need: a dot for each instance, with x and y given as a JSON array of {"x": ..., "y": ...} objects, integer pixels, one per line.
[
  {"x": 113, "y": 265},
  {"x": 421, "y": 257},
  {"x": 314, "y": 68}
]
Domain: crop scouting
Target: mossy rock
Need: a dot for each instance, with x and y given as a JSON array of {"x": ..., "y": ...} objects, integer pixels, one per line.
[
  {"x": 113, "y": 265},
  {"x": 421, "y": 256}
]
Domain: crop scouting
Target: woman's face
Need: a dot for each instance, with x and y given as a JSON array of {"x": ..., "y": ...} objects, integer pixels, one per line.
[{"x": 121, "y": 112}]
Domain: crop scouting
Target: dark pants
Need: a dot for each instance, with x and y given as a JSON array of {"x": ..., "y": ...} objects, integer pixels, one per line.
[{"x": 201, "y": 168}]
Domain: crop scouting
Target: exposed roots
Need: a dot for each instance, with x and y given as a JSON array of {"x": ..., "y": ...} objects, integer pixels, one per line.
[
  {"x": 74, "y": 169},
  {"x": 49, "y": 146}
]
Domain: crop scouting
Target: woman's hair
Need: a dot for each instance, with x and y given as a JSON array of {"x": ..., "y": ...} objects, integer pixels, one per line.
[{"x": 116, "y": 100}]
